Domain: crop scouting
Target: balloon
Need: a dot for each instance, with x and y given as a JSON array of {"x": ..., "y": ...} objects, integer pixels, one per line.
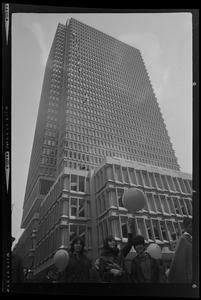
[
  {"x": 133, "y": 199},
  {"x": 155, "y": 251},
  {"x": 61, "y": 259}
]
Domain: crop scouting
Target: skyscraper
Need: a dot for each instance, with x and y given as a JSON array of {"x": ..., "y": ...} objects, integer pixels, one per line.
[{"x": 97, "y": 101}]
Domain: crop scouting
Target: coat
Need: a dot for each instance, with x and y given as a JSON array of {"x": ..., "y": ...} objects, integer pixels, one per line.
[
  {"x": 181, "y": 265},
  {"x": 109, "y": 260},
  {"x": 77, "y": 270},
  {"x": 94, "y": 275},
  {"x": 137, "y": 275}
]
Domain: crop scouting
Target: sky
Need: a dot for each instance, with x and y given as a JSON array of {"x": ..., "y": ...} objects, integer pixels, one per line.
[{"x": 165, "y": 42}]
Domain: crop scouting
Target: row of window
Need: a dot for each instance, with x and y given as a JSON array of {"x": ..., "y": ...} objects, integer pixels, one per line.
[
  {"x": 90, "y": 34},
  {"x": 74, "y": 163},
  {"x": 84, "y": 117},
  {"x": 153, "y": 230},
  {"x": 97, "y": 107},
  {"x": 154, "y": 203},
  {"x": 130, "y": 134},
  {"x": 144, "y": 126},
  {"x": 142, "y": 178},
  {"x": 89, "y": 135},
  {"x": 107, "y": 149},
  {"x": 116, "y": 97}
]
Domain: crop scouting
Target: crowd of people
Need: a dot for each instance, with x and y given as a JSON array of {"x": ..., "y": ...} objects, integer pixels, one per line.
[{"x": 111, "y": 266}]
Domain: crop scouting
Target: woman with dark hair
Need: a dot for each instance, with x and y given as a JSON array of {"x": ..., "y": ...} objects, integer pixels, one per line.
[
  {"x": 78, "y": 268},
  {"x": 112, "y": 266}
]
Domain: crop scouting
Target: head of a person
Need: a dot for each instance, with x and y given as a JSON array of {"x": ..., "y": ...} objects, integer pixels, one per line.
[
  {"x": 173, "y": 235},
  {"x": 77, "y": 245},
  {"x": 139, "y": 243},
  {"x": 187, "y": 222},
  {"x": 109, "y": 243}
]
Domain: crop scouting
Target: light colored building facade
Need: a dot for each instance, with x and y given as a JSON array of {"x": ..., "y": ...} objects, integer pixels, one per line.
[{"x": 99, "y": 131}]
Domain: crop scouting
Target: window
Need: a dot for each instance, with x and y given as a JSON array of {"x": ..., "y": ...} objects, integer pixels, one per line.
[
  {"x": 73, "y": 207},
  {"x": 103, "y": 203},
  {"x": 81, "y": 208},
  {"x": 158, "y": 204},
  {"x": 170, "y": 183},
  {"x": 164, "y": 230},
  {"x": 171, "y": 206},
  {"x": 152, "y": 180},
  {"x": 164, "y": 181},
  {"x": 109, "y": 173},
  {"x": 124, "y": 227},
  {"x": 170, "y": 229},
  {"x": 139, "y": 177},
  {"x": 183, "y": 207},
  {"x": 120, "y": 193},
  {"x": 177, "y": 228},
  {"x": 176, "y": 184},
  {"x": 145, "y": 178},
  {"x": 82, "y": 231},
  {"x": 132, "y": 176},
  {"x": 158, "y": 181},
  {"x": 117, "y": 173},
  {"x": 73, "y": 231},
  {"x": 188, "y": 206},
  {"x": 188, "y": 188},
  {"x": 151, "y": 204},
  {"x": 77, "y": 207},
  {"x": 164, "y": 204},
  {"x": 156, "y": 229},
  {"x": 74, "y": 182},
  {"x": 125, "y": 175},
  {"x": 141, "y": 227},
  {"x": 149, "y": 230},
  {"x": 176, "y": 205},
  {"x": 182, "y": 186},
  {"x": 81, "y": 184}
]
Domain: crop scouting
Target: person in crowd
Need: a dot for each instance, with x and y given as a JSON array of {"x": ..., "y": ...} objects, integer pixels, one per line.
[
  {"x": 112, "y": 266},
  {"x": 78, "y": 268},
  {"x": 94, "y": 271},
  {"x": 25, "y": 271},
  {"x": 181, "y": 265},
  {"x": 144, "y": 268},
  {"x": 17, "y": 274},
  {"x": 162, "y": 271},
  {"x": 49, "y": 276},
  {"x": 174, "y": 240}
]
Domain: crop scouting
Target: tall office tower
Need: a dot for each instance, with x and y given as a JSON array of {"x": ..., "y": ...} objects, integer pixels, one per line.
[
  {"x": 97, "y": 100},
  {"x": 108, "y": 107}
]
